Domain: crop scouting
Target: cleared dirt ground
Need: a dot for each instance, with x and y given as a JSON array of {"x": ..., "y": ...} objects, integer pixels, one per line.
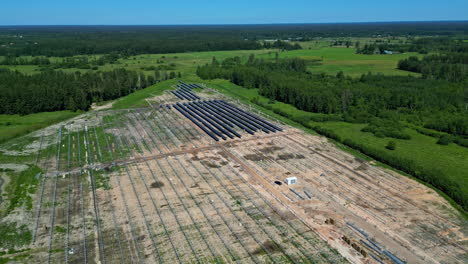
[{"x": 146, "y": 185}]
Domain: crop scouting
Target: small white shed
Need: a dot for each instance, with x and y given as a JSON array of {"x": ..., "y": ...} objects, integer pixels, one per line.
[{"x": 291, "y": 180}]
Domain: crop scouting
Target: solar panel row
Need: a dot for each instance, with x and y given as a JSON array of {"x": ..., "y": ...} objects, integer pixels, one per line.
[{"x": 219, "y": 119}]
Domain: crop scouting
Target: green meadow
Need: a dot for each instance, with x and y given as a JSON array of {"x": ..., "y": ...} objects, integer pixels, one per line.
[
  {"x": 12, "y": 126},
  {"x": 138, "y": 98},
  {"x": 320, "y": 56},
  {"x": 331, "y": 60}
]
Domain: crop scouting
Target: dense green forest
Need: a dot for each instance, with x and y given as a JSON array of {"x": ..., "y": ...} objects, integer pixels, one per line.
[
  {"x": 57, "y": 90},
  {"x": 386, "y": 103},
  {"x": 451, "y": 66},
  {"x": 448, "y": 58},
  {"x": 130, "y": 40}
]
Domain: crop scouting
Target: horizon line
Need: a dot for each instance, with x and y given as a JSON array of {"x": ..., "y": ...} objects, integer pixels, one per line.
[{"x": 237, "y": 24}]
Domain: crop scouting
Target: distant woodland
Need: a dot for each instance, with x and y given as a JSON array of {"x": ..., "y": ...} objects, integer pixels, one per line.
[
  {"x": 131, "y": 40},
  {"x": 126, "y": 41}
]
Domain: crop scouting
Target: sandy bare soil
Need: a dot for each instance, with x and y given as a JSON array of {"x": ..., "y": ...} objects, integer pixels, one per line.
[{"x": 146, "y": 185}]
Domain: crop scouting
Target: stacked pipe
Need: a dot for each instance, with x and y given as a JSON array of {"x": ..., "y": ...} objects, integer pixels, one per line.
[
  {"x": 357, "y": 229},
  {"x": 220, "y": 119},
  {"x": 393, "y": 258},
  {"x": 370, "y": 246},
  {"x": 297, "y": 194}
]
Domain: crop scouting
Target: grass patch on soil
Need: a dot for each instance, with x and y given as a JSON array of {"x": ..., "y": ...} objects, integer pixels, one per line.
[
  {"x": 13, "y": 236},
  {"x": 12, "y": 126},
  {"x": 137, "y": 99},
  {"x": 20, "y": 189}
]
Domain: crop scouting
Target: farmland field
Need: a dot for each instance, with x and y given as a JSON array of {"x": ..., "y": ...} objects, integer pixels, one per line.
[
  {"x": 332, "y": 60},
  {"x": 335, "y": 59}
]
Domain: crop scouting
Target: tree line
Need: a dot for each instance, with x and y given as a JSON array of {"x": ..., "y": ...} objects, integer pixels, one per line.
[
  {"x": 436, "y": 104},
  {"x": 66, "y": 44},
  {"x": 57, "y": 90},
  {"x": 448, "y": 59},
  {"x": 422, "y": 45},
  {"x": 450, "y": 66}
]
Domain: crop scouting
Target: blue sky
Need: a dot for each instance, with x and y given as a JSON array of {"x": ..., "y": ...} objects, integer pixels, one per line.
[{"x": 154, "y": 12}]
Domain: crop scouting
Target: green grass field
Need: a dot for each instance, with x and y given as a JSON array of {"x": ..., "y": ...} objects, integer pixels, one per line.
[
  {"x": 27, "y": 69},
  {"x": 137, "y": 99},
  {"x": 185, "y": 63},
  {"x": 12, "y": 126},
  {"x": 335, "y": 59}
]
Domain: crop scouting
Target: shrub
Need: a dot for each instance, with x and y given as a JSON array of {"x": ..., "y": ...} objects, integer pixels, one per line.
[
  {"x": 461, "y": 141},
  {"x": 429, "y": 132},
  {"x": 444, "y": 140},
  {"x": 327, "y": 132},
  {"x": 391, "y": 145},
  {"x": 379, "y": 134},
  {"x": 386, "y": 128}
]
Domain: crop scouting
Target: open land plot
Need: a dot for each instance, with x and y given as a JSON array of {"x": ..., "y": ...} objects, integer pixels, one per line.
[
  {"x": 321, "y": 58},
  {"x": 147, "y": 185},
  {"x": 185, "y": 62},
  {"x": 331, "y": 60}
]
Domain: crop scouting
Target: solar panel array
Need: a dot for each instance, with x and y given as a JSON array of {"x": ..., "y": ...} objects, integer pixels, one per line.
[
  {"x": 219, "y": 119},
  {"x": 184, "y": 91}
]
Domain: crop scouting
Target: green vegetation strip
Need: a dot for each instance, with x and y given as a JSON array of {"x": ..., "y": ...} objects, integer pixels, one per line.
[
  {"x": 21, "y": 187},
  {"x": 12, "y": 126},
  {"x": 14, "y": 236},
  {"x": 137, "y": 99}
]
